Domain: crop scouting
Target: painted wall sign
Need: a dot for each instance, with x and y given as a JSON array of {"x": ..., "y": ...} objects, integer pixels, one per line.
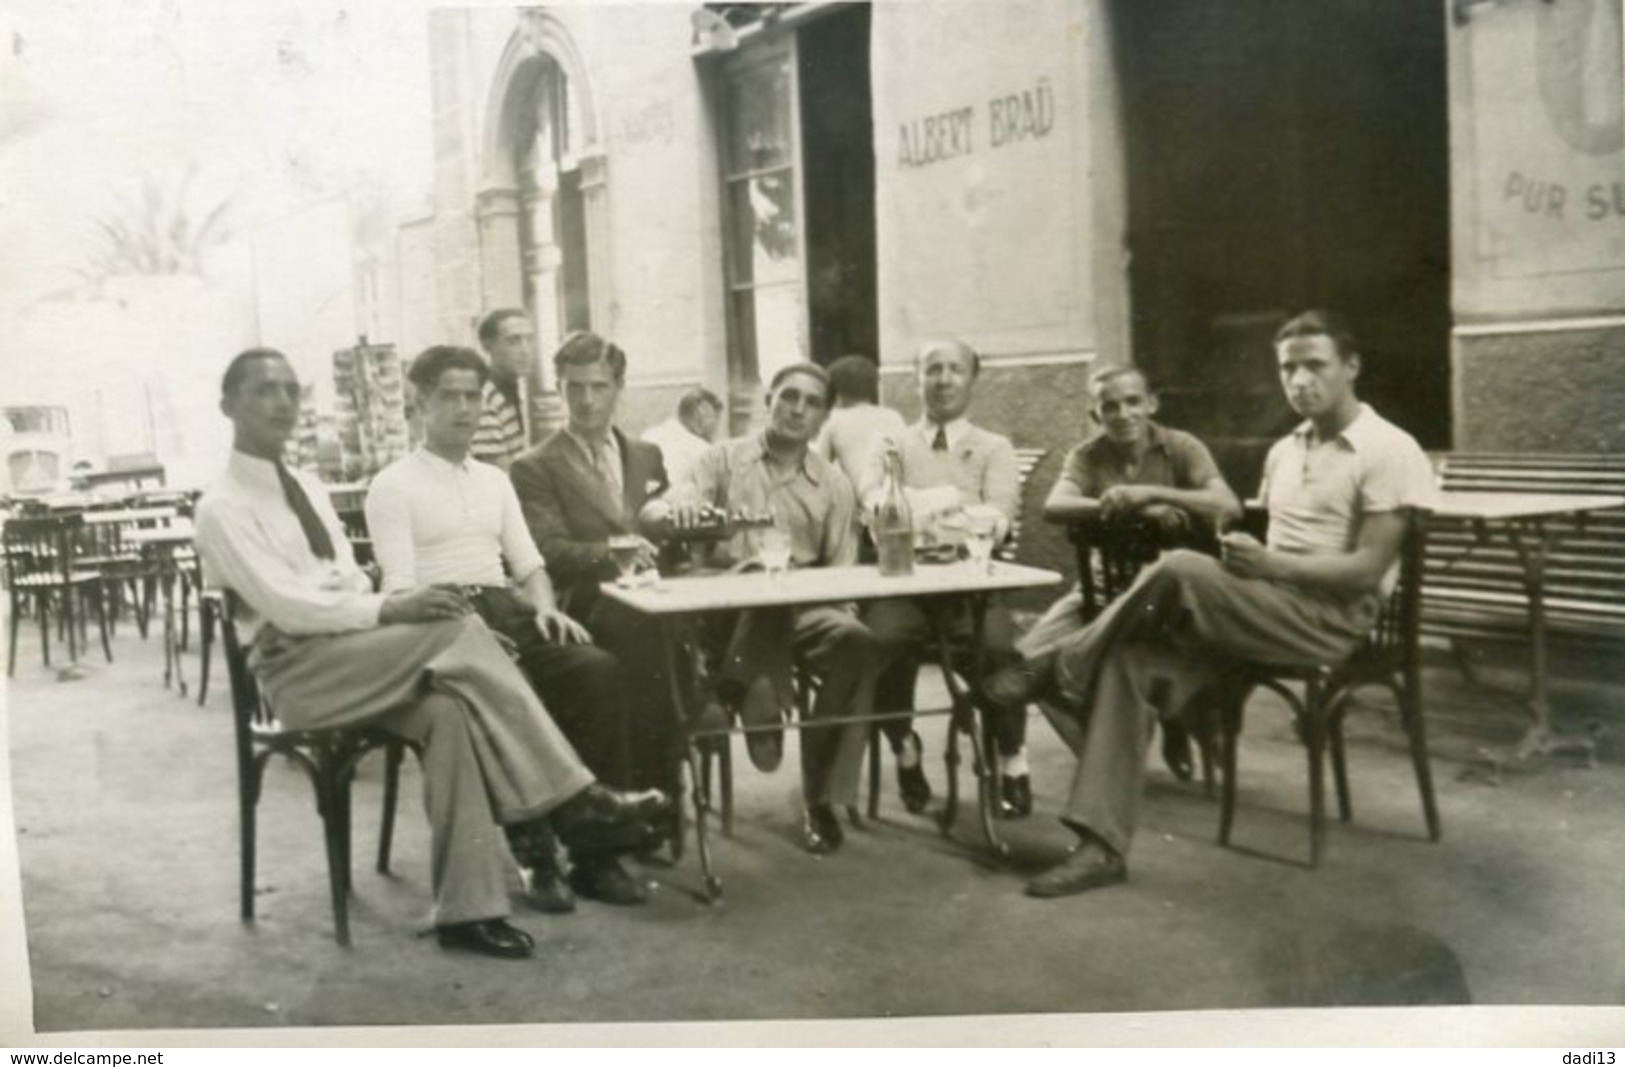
[
  {"x": 1010, "y": 118},
  {"x": 1549, "y": 140}
]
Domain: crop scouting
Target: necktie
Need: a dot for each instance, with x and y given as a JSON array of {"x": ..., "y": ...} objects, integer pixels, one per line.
[
  {"x": 604, "y": 461},
  {"x": 939, "y": 443},
  {"x": 316, "y": 535}
]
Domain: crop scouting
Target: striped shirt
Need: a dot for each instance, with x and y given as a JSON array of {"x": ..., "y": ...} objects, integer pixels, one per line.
[{"x": 501, "y": 436}]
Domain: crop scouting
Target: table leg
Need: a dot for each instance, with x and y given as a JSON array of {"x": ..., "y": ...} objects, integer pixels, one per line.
[
  {"x": 1541, "y": 738},
  {"x": 713, "y": 885},
  {"x": 965, "y": 719}
]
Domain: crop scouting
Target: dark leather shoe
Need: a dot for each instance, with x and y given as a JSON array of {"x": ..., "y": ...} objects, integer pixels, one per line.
[
  {"x": 821, "y": 831},
  {"x": 488, "y": 937},
  {"x": 912, "y": 785},
  {"x": 606, "y": 881},
  {"x": 548, "y": 892},
  {"x": 1176, "y": 749},
  {"x": 1016, "y": 796},
  {"x": 760, "y": 710},
  {"x": 1091, "y": 865},
  {"x": 596, "y": 809}
]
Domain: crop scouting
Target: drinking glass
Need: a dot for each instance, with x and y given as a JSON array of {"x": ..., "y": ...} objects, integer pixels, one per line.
[
  {"x": 624, "y": 549},
  {"x": 773, "y": 549},
  {"x": 979, "y": 531}
]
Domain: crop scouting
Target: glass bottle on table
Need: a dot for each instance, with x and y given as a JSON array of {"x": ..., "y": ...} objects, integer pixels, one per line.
[{"x": 894, "y": 522}]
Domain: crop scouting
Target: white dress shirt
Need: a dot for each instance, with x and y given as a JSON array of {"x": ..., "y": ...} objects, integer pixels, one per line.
[
  {"x": 251, "y": 543},
  {"x": 679, "y": 447},
  {"x": 435, "y": 521}
]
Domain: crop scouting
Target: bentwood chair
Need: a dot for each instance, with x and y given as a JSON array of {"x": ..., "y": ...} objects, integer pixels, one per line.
[
  {"x": 329, "y": 759},
  {"x": 43, "y": 571},
  {"x": 1390, "y": 656},
  {"x": 1110, "y": 555}
]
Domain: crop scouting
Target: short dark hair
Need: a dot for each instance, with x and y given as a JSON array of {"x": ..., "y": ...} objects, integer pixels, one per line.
[
  {"x": 584, "y": 348},
  {"x": 436, "y": 360},
  {"x": 1122, "y": 370},
  {"x": 237, "y": 369},
  {"x": 811, "y": 370},
  {"x": 696, "y": 398},
  {"x": 1319, "y": 322},
  {"x": 949, "y": 342},
  {"x": 855, "y": 377},
  {"x": 491, "y": 325}
]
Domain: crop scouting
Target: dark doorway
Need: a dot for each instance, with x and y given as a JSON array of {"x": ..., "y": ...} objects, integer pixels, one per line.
[
  {"x": 1282, "y": 155},
  {"x": 837, "y": 152}
]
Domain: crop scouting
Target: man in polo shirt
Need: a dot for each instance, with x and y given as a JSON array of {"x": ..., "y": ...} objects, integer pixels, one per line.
[
  {"x": 508, "y": 338},
  {"x": 1134, "y": 469},
  {"x": 776, "y": 472},
  {"x": 1340, "y": 490},
  {"x": 438, "y": 517},
  {"x": 328, "y": 651},
  {"x": 950, "y": 468}
]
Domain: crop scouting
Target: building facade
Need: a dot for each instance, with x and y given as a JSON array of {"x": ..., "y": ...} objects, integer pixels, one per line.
[{"x": 724, "y": 189}]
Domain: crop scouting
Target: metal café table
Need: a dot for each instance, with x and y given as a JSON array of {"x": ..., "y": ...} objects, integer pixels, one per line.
[
  {"x": 678, "y": 600},
  {"x": 1530, "y": 523},
  {"x": 163, "y": 542}
]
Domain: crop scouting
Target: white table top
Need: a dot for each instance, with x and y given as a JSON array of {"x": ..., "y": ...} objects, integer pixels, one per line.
[
  {"x": 692, "y": 594},
  {"x": 1489, "y": 506}
]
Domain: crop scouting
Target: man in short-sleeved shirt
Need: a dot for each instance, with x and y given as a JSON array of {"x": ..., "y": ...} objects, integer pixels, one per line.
[
  {"x": 1134, "y": 468},
  {"x": 1340, "y": 490}
]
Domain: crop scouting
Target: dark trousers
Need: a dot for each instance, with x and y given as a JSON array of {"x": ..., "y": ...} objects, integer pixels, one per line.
[
  {"x": 903, "y": 628},
  {"x": 580, "y": 685},
  {"x": 654, "y": 750}
]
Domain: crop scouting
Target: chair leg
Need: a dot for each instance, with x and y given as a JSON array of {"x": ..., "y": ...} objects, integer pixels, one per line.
[
  {"x": 1340, "y": 767},
  {"x": 206, "y": 620},
  {"x": 101, "y": 623},
  {"x": 1314, "y": 728},
  {"x": 725, "y": 772},
  {"x": 1230, "y": 732},
  {"x": 337, "y": 875},
  {"x": 245, "y": 811},
  {"x": 186, "y": 614},
  {"x": 68, "y": 618},
  {"x": 12, "y": 624},
  {"x": 393, "y": 755},
  {"x": 874, "y": 770},
  {"x": 43, "y": 603},
  {"x": 1416, "y": 730}
]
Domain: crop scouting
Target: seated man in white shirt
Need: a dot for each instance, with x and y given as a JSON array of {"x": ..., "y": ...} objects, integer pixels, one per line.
[
  {"x": 328, "y": 651},
  {"x": 439, "y": 517},
  {"x": 685, "y": 436},
  {"x": 960, "y": 472}
]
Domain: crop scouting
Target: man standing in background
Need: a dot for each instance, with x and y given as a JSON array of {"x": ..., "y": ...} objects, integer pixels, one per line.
[{"x": 508, "y": 339}]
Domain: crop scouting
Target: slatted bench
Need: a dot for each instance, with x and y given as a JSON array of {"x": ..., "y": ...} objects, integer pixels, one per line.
[
  {"x": 1027, "y": 460},
  {"x": 1475, "y": 581}
]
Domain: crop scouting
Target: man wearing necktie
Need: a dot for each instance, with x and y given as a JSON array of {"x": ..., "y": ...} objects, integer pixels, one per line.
[
  {"x": 577, "y": 489},
  {"x": 957, "y": 472},
  {"x": 328, "y": 651}
]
